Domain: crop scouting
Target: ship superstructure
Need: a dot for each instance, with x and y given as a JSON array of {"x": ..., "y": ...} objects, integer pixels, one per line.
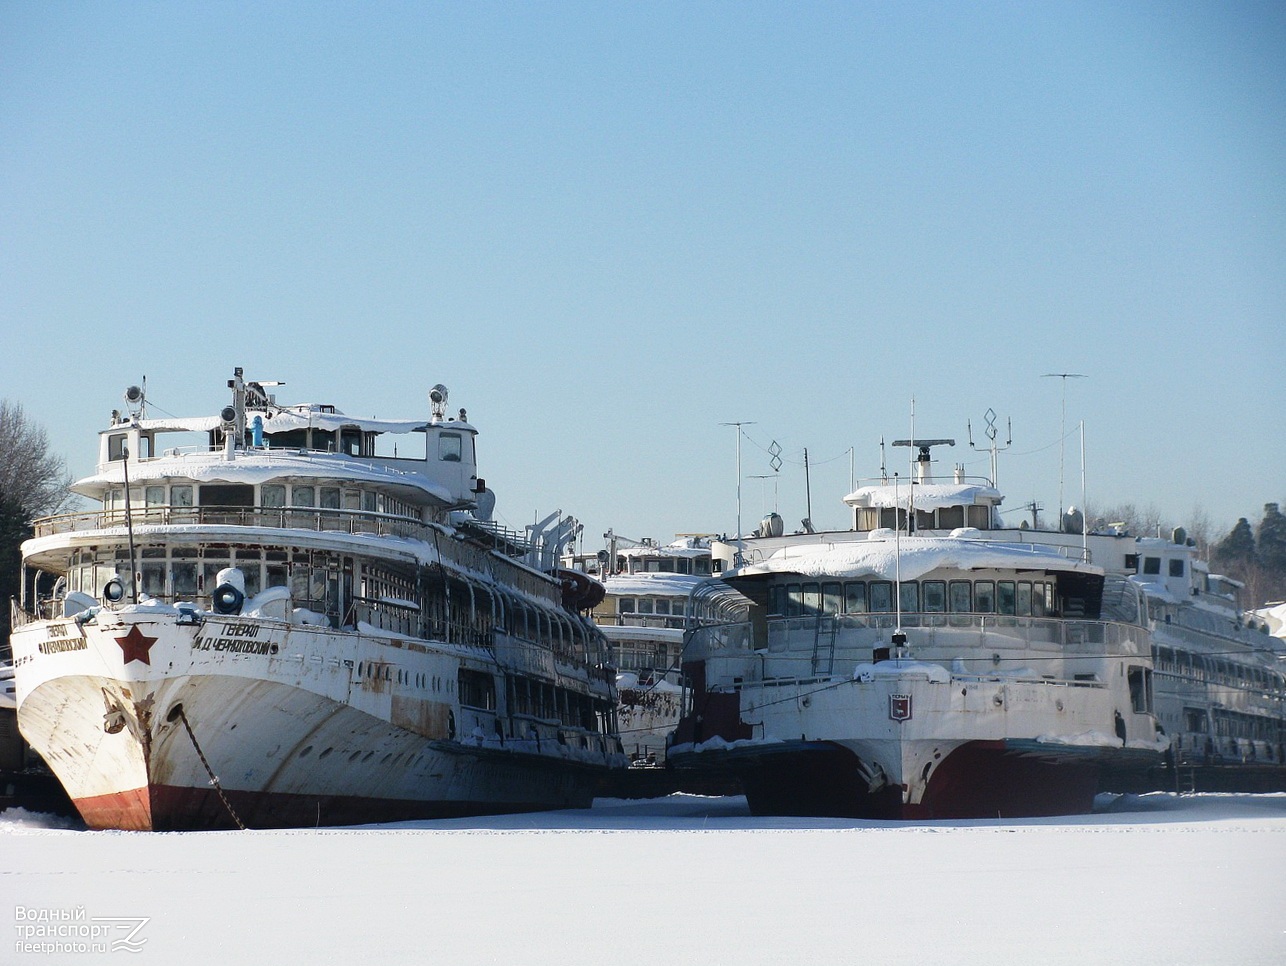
[{"x": 285, "y": 615}]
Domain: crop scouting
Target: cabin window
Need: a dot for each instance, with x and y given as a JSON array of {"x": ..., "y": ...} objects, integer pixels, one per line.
[
  {"x": 924, "y": 520},
  {"x": 625, "y": 605},
  {"x": 1140, "y": 690},
  {"x": 984, "y": 595},
  {"x": 1176, "y": 568},
  {"x": 450, "y": 447},
  {"x": 794, "y": 601},
  {"x": 154, "y": 495},
  {"x": 645, "y": 605},
  {"x": 961, "y": 596},
  {"x": 1024, "y": 599},
  {"x": 272, "y": 495},
  {"x": 329, "y": 498},
  {"x": 350, "y": 441},
  {"x": 980, "y": 517},
  {"x": 951, "y": 517},
  {"x": 881, "y": 597},
  {"x": 776, "y": 600},
  {"x": 184, "y": 572},
  {"x": 180, "y": 496},
  {"x": 855, "y": 597},
  {"x": 1006, "y": 599},
  {"x": 662, "y": 606},
  {"x": 303, "y": 496},
  {"x": 1039, "y": 594},
  {"x": 352, "y": 500},
  {"x": 893, "y": 517},
  {"x": 476, "y": 689},
  {"x": 909, "y": 595},
  {"x": 227, "y": 494},
  {"x": 116, "y": 447},
  {"x": 832, "y": 598},
  {"x": 812, "y": 599},
  {"x": 1132, "y": 562},
  {"x": 1152, "y": 565},
  {"x": 935, "y": 596}
]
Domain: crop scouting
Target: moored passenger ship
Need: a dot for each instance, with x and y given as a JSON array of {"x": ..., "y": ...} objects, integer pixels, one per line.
[
  {"x": 921, "y": 666},
  {"x": 306, "y": 618},
  {"x": 647, "y": 605}
]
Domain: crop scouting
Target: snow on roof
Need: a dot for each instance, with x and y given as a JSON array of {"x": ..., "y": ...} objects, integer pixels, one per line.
[
  {"x": 671, "y": 585},
  {"x": 258, "y": 466},
  {"x": 911, "y": 558},
  {"x": 924, "y": 496}
]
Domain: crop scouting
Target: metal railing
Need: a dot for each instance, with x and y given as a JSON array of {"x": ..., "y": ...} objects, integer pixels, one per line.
[
  {"x": 952, "y": 631},
  {"x": 285, "y": 518}
]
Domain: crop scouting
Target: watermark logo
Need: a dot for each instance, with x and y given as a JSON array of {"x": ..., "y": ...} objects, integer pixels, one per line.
[
  {"x": 64, "y": 931},
  {"x": 131, "y": 926}
]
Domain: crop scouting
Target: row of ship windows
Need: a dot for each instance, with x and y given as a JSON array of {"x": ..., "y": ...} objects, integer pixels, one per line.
[
  {"x": 1152, "y": 565},
  {"x": 1217, "y": 670},
  {"x": 652, "y": 605},
  {"x": 1022, "y": 598},
  {"x": 270, "y": 495},
  {"x": 943, "y": 518}
]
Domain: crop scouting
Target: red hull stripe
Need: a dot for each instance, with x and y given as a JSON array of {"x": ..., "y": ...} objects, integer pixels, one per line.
[{"x": 172, "y": 808}]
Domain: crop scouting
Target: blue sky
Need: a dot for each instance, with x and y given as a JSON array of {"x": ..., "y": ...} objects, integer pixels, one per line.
[{"x": 610, "y": 228}]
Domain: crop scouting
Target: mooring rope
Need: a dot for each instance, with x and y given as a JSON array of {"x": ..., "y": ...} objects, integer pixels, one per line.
[{"x": 214, "y": 779}]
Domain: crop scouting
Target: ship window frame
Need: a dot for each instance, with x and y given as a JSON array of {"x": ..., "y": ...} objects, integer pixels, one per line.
[
  {"x": 909, "y": 597},
  {"x": 987, "y": 595},
  {"x": 794, "y": 600},
  {"x": 953, "y": 596},
  {"x": 1006, "y": 598},
  {"x": 855, "y": 594},
  {"x": 448, "y": 453},
  {"x": 883, "y": 588},
  {"x": 938, "y": 587}
]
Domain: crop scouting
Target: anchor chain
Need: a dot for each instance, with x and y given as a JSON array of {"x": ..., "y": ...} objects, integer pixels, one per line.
[{"x": 214, "y": 779}]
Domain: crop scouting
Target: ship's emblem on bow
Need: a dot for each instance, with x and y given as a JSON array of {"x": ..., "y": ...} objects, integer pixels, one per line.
[{"x": 900, "y": 707}]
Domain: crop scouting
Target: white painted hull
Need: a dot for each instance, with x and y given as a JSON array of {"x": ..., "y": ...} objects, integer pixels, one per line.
[
  {"x": 915, "y": 744},
  {"x": 300, "y": 725}
]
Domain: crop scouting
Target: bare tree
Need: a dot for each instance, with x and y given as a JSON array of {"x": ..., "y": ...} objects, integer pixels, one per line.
[{"x": 33, "y": 480}]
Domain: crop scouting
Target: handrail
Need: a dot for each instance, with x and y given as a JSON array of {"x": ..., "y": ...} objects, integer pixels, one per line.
[
  {"x": 290, "y": 517},
  {"x": 958, "y": 631}
]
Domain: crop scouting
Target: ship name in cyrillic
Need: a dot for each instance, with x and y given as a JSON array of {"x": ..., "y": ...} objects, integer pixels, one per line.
[{"x": 233, "y": 638}]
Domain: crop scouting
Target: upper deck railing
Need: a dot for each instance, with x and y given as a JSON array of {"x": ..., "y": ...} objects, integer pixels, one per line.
[{"x": 286, "y": 518}]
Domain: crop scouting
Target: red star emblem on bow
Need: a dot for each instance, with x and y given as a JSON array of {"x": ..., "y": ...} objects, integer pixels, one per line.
[{"x": 136, "y": 645}]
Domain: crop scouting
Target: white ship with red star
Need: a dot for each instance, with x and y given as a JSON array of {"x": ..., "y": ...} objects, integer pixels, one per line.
[{"x": 286, "y": 616}]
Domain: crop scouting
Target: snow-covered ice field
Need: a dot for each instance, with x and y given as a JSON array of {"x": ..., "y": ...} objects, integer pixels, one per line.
[{"x": 1155, "y": 879}]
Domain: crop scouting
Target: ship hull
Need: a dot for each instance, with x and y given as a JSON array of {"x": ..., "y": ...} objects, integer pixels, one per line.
[
  {"x": 915, "y": 745},
  {"x": 284, "y": 733}
]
